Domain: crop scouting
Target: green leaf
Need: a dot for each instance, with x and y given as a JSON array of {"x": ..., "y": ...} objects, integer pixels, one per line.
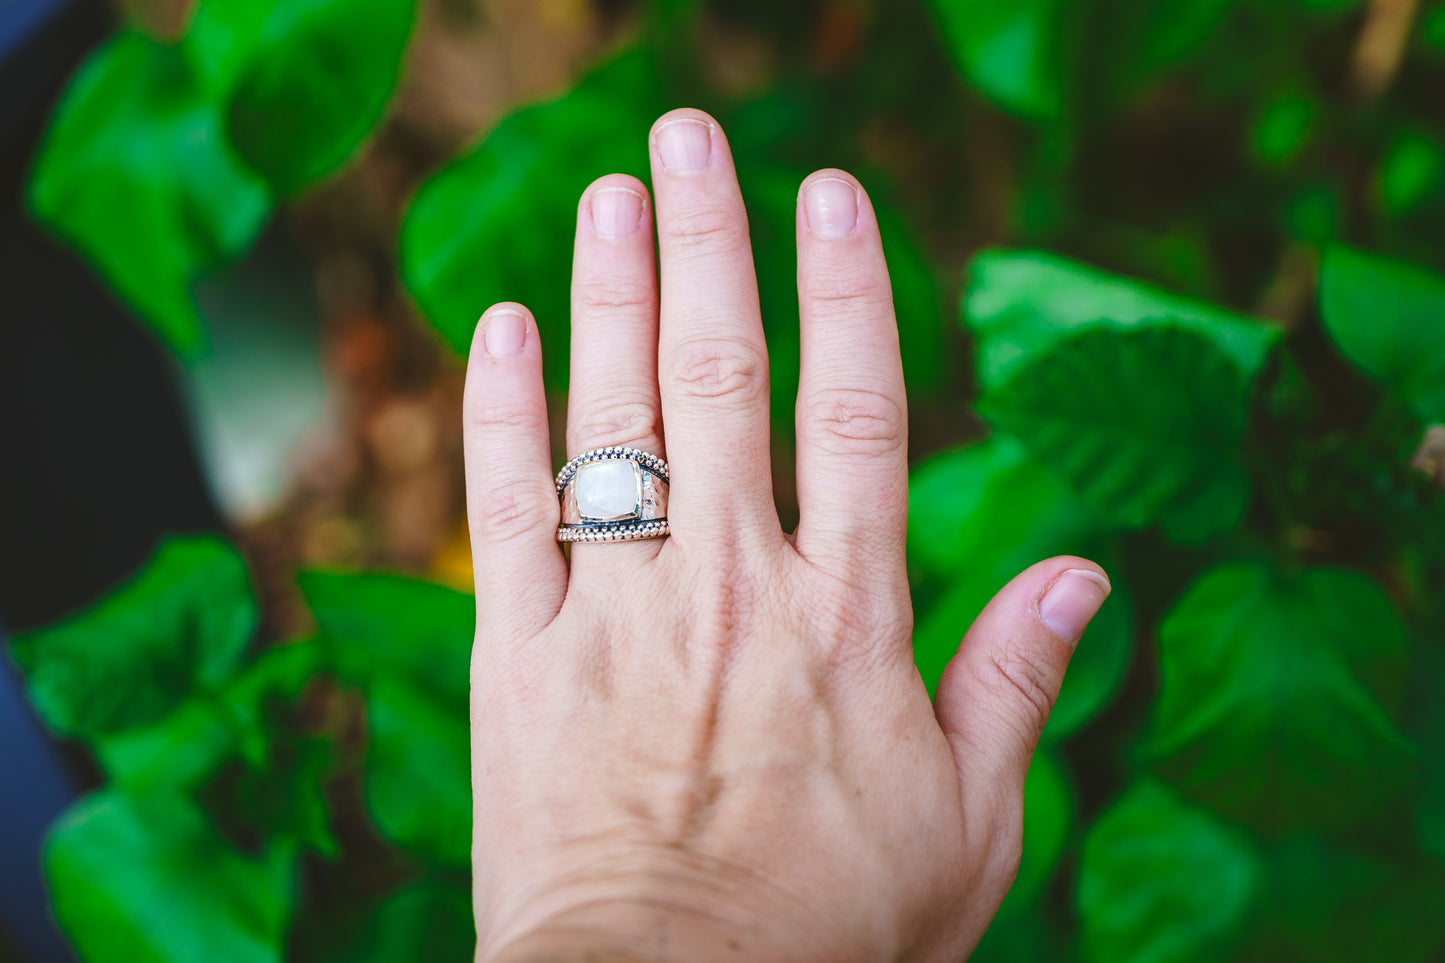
[
  {"x": 179, "y": 751},
  {"x": 135, "y": 172},
  {"x": 1389, "y": 319},
  {"x": 408, "y": 645},
  {"x": 221, "y": 42},
  {"x": 1010, "y": 51},
  {"x": 418, "y": 771},
  {"x": 148, "y": 880},
  {"x": 315, "y": 85},
  {"x": 987, "y": 499},
  {"x": 179, "y": 627},
  {"x": 1273, "y": 696},
  {"x": 977, "y": 517},
  {"x": 1146, "y": 423},
  {"x": 1331, "y": 904},
  {"x": 282, "y": 795},
  {"x": 207, "y": 729},
  {"x": 1020, "y": 303},
  {"x": 1160, "y": 882},
  {"x": 387, "y": 626},
  {"x": 498, "y": 223}
]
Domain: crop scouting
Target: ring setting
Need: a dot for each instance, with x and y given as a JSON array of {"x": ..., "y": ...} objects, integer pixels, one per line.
[{"x": 613, "y": 494}]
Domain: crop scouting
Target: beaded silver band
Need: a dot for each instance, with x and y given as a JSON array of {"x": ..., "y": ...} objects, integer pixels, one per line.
[
  {"x": 613, "y": 494},
  {"x": 623, "y": 532},
  {"x": 646, "y": 460}
]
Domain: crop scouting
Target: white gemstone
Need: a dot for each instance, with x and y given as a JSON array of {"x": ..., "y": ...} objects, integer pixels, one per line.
[{"x": 608, "y": 491}]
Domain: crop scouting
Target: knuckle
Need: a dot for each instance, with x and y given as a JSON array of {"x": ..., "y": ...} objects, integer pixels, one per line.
[
  {"x": 846, "y": 420},
  {"x": 1022, "y": 684},
  {"x": 853, "y": 622},
  {"x": 510, "y": 509},
  {"x": 840, "y": 293},
  {"x": 618, "y": 423},
  {"x": 612, "y": 297},
  {"x": 706, "y": 227},
  {"x": 491, "y": 415},
  {"x": 720, "y": 371}
]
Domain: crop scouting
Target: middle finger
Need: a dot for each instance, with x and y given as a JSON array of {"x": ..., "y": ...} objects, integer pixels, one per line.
[{"x": 712, "y": 359}]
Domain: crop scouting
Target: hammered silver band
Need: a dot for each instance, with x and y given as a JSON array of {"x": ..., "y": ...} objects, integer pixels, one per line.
[{"x": 613, "y": 494}]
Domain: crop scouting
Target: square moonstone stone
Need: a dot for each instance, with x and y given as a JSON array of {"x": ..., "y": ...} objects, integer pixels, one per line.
[{"x": 608, "y": 491}]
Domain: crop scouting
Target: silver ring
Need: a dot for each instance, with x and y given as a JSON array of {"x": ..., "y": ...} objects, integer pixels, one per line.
[{"x": 613, "y": 495}]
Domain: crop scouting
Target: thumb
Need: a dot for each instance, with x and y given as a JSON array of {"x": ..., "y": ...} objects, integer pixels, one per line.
[{"x": 997, "y": 691}]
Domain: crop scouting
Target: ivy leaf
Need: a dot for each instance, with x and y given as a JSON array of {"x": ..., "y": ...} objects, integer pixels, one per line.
[
  {"x": 206, "y": 730},
  {"x": 179, "y": 627},
  {"x": 418, "y": 771},
  {"x": 315, "y": 85},
  {"x": 388, "y": 626},
  {"x": 1018, "y": 304},
  {"x": 498, "y": 223},
  {"x": 1162, "y": 882},
  {"x": 221, "y": 40},
  {"x": 977, "y": 517},
  {"x": 1273, "y": 696},
  {"x": 135, "y": 172},
  {"x": 1145, "y": 423},
  {"x": 408, "y": 645},
  {"x": 283, "y": 794},
  {"x": 1389, "y": 319},
  {"x": 148, "y": 880}
]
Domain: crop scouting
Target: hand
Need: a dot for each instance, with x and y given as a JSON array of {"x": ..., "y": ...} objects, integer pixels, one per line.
[{"x": 716, "y": 746}]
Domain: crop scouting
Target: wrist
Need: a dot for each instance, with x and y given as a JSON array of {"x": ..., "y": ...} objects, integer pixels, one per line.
[
  {"x": 620, "y": 934},
  {"x": 642, "y": 906}
]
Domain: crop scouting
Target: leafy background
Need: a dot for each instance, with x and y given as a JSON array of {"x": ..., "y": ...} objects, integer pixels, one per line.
[{"x": 1169, "y": 292}]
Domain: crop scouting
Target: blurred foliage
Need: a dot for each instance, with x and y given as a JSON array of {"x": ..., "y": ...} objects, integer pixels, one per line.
[
  {"x": 163, "y": 160},
  {"x": 1248, "y": 758}
]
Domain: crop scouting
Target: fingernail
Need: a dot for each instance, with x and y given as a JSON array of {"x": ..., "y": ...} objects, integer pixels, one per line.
[
  {"x": 830, "y": 206},
  {"x": 684, "y": 145},
  {"x": 504, "y": 332},
  {"x": 616, "y": 212},
  {"x": 1072, "y": 601}
]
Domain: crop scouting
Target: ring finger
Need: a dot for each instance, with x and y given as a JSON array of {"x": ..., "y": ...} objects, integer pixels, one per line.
[{"x": 614, "y": 397}]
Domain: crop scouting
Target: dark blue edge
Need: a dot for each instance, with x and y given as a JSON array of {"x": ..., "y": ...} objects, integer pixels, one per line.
[{"x": 38, "y": 788}]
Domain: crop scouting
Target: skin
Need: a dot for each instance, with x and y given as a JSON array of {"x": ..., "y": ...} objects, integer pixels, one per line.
[{"x": 716, "y": 746}]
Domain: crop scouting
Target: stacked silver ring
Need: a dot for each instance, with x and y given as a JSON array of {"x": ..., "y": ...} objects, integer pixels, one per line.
[{"x": 611, "y": 495}]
